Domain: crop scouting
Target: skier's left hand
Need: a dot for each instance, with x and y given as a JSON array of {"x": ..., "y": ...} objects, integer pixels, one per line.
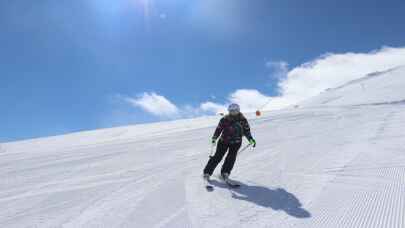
[
  {"x": 252, "y": 142},
  {"x": 213, "y": 141}
]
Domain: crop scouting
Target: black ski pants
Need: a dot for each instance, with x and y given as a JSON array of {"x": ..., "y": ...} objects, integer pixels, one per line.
[{"x": 230, "y": 159}]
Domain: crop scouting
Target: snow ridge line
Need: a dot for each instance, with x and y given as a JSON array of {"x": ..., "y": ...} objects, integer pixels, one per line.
[
  {"x": 367, "y": 77},
  {"x": 399, "y": 102}
]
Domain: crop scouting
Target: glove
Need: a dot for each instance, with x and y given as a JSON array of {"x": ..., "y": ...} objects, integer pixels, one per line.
[
  {"x": 252, "y": 142},
  {"x": 213, "y": 141}
]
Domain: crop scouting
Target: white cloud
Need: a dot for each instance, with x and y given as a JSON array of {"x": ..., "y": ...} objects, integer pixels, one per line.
[
  {"x": 333, "y": 70},
  {"x": 212, "y": 107},
  {"x": 155, "y": 104},
  {"x": 279, "y": 69},
  {"x": 311, "y": 78},
  {"x": 295, "y": 85},
  {"x": 162, "y": 107},
  {"x": 249, "y": 99}
]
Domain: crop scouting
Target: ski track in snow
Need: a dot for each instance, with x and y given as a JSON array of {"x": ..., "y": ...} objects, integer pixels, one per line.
[{"x": 333, "y": 162}]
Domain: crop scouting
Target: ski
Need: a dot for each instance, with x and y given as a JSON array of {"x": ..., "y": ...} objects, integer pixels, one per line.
[
  {"x": 228, "y": 182},
  {"x": 231, "y": 184},
  {"x": 208, "y": 186}
]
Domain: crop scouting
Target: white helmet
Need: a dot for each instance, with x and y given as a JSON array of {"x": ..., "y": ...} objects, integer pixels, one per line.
[{"x": 233, "y": 108}]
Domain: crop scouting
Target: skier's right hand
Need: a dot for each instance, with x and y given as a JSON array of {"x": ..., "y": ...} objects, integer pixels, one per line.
[{"x": 252, "y": 142}]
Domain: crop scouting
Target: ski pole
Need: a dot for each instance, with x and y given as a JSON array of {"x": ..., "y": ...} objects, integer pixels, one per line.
[{"x": 244, "y": 148}]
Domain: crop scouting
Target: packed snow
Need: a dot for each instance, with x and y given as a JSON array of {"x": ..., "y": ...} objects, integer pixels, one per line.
[
  {"x": 377, "y": 88},
  {"x": 337, "y": 160}
]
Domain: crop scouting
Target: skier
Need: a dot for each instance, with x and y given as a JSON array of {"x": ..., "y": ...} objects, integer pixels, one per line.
[{"x": 231, "y": 128}]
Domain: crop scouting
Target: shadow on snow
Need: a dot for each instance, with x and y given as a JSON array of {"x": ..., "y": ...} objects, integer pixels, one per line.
[{"x": 276, "y": 199}]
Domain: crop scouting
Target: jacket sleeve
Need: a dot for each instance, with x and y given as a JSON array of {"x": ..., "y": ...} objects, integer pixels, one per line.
[
  {"x": 246, "y": 129},
  {"x": 219, "y": 129}
]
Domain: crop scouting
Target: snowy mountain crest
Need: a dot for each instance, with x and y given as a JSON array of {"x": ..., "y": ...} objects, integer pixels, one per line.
[
  {"x": 367, "y": 77},
  {"x": 385, "y": 87}
]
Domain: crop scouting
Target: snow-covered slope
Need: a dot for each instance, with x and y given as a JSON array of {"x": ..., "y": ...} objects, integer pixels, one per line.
[
  {"x": 376, "y": 88},
  {"x": 340, "y": 165}
]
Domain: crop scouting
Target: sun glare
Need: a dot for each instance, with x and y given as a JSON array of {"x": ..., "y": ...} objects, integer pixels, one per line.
[{"x": 145, "y": 6}]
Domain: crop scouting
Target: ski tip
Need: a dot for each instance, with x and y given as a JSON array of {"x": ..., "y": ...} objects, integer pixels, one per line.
[
  {"x": 232, "y": 185},
  {"x": 209, "y": 188},
  {"x": 235, "y": 186}
]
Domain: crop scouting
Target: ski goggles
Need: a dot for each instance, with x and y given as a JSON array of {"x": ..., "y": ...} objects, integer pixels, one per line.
[{"x": 234, "y": 112}]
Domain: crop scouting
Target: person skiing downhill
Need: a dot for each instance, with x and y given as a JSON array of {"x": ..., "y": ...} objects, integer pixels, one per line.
[{"x": 231, "y": 128}]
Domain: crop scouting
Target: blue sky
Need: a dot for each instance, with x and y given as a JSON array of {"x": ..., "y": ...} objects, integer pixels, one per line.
[{"x": 76, "y": 65}]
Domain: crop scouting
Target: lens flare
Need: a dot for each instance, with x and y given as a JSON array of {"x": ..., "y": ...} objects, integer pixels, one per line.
[{"x": 146, "y": 7}]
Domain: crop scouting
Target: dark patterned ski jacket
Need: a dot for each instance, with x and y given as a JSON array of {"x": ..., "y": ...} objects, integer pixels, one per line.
[{"x": 232, "y": 129}]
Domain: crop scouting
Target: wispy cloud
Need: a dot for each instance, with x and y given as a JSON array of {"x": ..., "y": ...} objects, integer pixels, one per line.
[
  {"x": 212, "y": 107},
  {"x": 279, "y": 69},
  {"x": 248, "y": 99},
  {"x": 160, "y": 106},
  {"x": 155, "y": 104}
]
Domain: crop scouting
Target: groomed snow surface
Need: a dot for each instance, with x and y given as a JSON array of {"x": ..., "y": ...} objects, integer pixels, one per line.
[{"x": 328, "y": 163}]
